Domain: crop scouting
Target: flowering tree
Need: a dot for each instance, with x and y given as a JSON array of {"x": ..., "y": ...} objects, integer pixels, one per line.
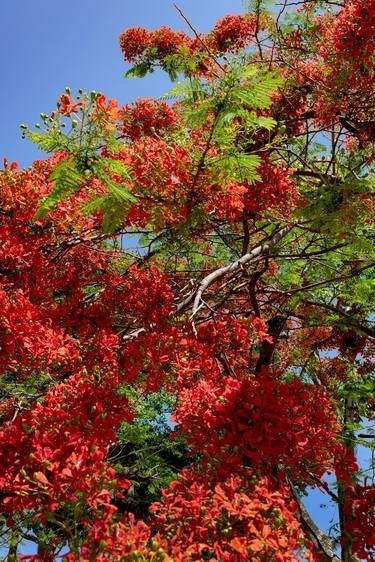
[{"x": 244, "y": 311}]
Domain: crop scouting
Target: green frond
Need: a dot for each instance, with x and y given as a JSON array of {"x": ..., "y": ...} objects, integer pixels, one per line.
[
  {"x": 190, "y": 91},
  {"x": 113, "y": 205},
  {"x": 67, "y": 180},
  {"x": 117, "y": 167},
  {"x": 118, "y": 193},
  {"x": 198, "y": 115},
  {"x": 180, "y": 91},
  {"x": 139, "y": 70},
  {"x": 266, "y": 123},
  {"x": 53, "y": 140},
  {"x": 237, "y": 167},
  {"x": 256, "y": 95}
]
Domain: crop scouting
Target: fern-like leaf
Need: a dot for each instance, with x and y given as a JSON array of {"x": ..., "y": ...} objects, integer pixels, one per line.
[
  {"x": 139, "y": 70},
  {"x": 67, "y": 180},
  {"x": 117, "y": 167},
  {"x": 53, "y": 140}
]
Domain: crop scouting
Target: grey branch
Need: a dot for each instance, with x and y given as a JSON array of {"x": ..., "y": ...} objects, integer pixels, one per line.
[
  {"x": 320, "y": 540},
  {"x": 237, "y": 264}
]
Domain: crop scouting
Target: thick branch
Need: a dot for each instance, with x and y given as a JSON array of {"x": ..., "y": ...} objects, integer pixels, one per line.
[
  {"x": 322, "y": 542},
  {"x": 317, "y": 175},
  {"x": 237, "y": 264},
  {"x": 274, "y": 327}
]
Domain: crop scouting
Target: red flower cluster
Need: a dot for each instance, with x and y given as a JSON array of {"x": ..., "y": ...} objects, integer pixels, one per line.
[
  {"x": 275, "y": 189},
  {"x": 162, "y": 179},
  {"x": 134, "y": 42},
  {"x": 80, "y": 322},
  {"x": 147, "y": 117},
  {"x": 353, "y": 30},
  {"x": 232, "y": 33},
  {"x": 126, "y": 540},
  {"x": 362, "y": 525},
  {"x": 30, "y": 341},
  {"x": 55, "y": 453},
  {"x": 233, "y": 521},
  {"x": 339, "y": 77},
  {"x": 140, "y": 45},
  {"x": 164, "y": 41},
  {"x": 262, "y": 422}
]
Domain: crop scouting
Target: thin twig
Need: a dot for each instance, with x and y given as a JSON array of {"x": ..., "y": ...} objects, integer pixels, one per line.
[{"x": 197, "y": 35}]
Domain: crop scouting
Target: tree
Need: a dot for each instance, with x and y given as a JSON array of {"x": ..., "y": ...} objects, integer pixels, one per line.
[{"x": 245, "y": 310}]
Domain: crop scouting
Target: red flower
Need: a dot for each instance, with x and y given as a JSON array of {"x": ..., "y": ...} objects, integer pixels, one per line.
[
  {"x": 65, "y": 105},
  {"x": 134, "y": 42},
  {"x": 233, "y": 32}
]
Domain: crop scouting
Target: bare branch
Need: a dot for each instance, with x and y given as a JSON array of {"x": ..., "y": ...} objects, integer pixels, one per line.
[
  {"x": 197, "y": 35},
  {"x": 321, "y": 541},
  {"x": 233, "y": 266}
]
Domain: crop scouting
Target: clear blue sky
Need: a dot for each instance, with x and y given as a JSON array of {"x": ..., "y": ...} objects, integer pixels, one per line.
[{"x": 46, "y": 45}]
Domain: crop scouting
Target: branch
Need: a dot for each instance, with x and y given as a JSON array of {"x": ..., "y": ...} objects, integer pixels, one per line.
[
  {"x": 325, "y": 486},
  {"x": 317, "y": 175},
  {"x": 134, "y": 334},
  {"x": 322, "y": 542},
  {"x": 369, "y": 332},
  {"x": 350, "y": 275},
  {"x": 197, "y": 35},
  {"x": 233, "y": 266},
  {"x": 304, "y": 255}
]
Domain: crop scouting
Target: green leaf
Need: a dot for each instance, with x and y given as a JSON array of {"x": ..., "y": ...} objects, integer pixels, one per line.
[
  {"x": 257, "y": 92},
  {"x": 119, "y": 193},
  {"x": 113, "y": 205},
  {"x": 192, "y": 90},
  {"x": 139, "y": 70},
  {"x": 266, "y": 123},
  {"x": 50, "y": 141},
  {"x": 67, "y": 180},
  {"x": 180, "y": 91},
  {"x": 197, "y": 116},
  {"x": 238, "y": 167},
  {"x": 244, "y": 166},
  {"x": 117, "y": 167}
]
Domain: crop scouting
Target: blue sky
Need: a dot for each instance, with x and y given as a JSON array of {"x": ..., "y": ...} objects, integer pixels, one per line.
[{"x": 46, "y": 45}]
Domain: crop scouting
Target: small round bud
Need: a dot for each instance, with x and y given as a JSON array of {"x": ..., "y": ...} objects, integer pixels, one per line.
[{"x": 68, "y": 90}]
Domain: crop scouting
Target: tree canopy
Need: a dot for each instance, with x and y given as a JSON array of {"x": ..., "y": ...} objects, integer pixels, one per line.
[{"x": 186, "y": 289}]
